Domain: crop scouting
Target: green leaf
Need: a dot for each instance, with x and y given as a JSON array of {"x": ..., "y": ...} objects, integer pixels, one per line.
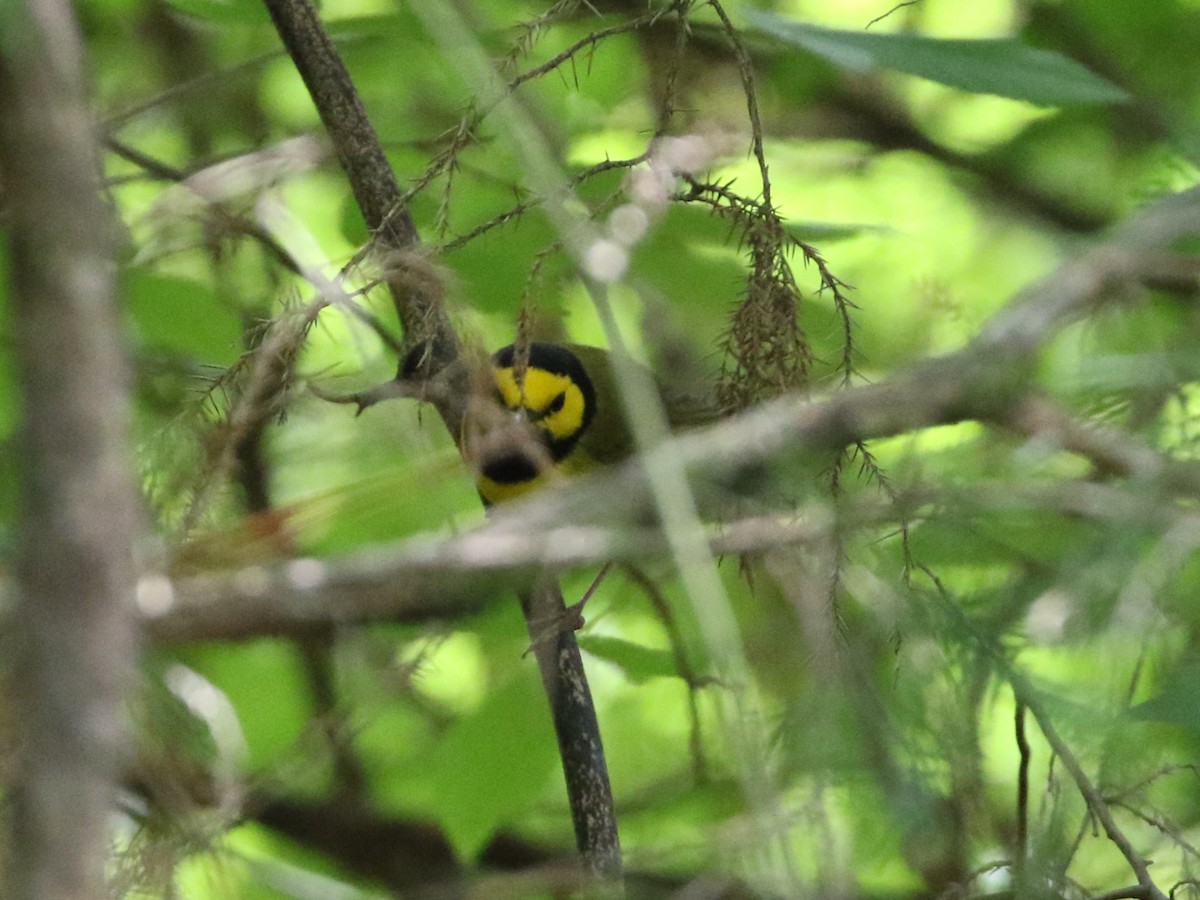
[
  {"x": 492, "y": 765},
  {"x": 264, "y": 682},
  {"x": 1178, "y": 703},
  {"x": 636, "y": 661},
  {"x": 826, "y": 232},
  {"x": 181, "y": 315},
  {"x": 225, "y": 12},
  {"x": 1006, "y": 67}
]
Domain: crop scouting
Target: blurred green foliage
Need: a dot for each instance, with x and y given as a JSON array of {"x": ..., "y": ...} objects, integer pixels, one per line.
[{"x": 940, "y": 158}]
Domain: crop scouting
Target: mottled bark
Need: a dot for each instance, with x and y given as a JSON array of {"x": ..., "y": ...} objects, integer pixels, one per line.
[{"x": 75, "y": 572}]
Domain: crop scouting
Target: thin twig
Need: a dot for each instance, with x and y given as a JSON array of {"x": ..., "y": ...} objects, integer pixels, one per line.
[
  {"x": 746, "y": 73},
  {"x": 465, "y": 132},
  {"x": 114, "y": 122},
  {"x": 1158, "y": 824},
  {"x": 589, "y": 40},
  {"x": 894, "y": 9},
  {"x": 524, "y": 206},
  {"x": 228, "y": 220},
  {"x": 1132, "y": 892},
  {"x": 1022, "y": 854},
  {"x": 1028, "y": 698}
]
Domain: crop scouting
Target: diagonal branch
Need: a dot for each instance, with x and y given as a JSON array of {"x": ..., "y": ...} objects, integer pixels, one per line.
[
  {"x": 421, "y": 312},
  {"x": 587, "y": 520},
  {"x": 1027, "y": 696}
]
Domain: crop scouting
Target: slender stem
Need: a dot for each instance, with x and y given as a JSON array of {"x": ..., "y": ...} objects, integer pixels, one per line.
[
  {"x": 1091, "y": 796},
  {"x": 1027, "y": 698},
  {"x": 1022, "y": 789}
]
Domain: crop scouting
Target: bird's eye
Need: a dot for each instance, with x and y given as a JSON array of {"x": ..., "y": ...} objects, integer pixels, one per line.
[{"x": 556, "y": 404}]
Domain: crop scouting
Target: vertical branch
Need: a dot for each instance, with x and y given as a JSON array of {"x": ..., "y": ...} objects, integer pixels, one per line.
[
  {"x": 578, "y": 731},
  {"x": 73, "y": 621},
  {"x": 345, "y": 119},
  {"x": 1022, "y": 790},
  {"x": 423, "y": 315}
]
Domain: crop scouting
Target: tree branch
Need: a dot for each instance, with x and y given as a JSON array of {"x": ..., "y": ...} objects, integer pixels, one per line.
[
  {"x": 587, "y": 520},
  {"x": 990, "y": 380},
  {"x": 421, "y": 580},
  {"x": 423, "y": 316},
  {"x": 1027, "y": 696},
  {"x": 73, "y": 630}
]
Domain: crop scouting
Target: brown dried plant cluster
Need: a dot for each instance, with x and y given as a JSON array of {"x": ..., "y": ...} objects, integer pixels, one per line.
[{"x": 766, "y": 350}]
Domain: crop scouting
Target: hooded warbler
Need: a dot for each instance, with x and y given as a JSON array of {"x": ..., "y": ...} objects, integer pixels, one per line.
[{"x": 568, "y": 418}]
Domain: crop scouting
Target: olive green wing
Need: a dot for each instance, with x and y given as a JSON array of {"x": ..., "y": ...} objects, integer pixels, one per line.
[{"x": 608, "y": 439}]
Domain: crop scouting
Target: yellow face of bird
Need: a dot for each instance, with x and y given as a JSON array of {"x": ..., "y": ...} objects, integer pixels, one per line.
[
  {"x": 556, "y": 401},
  {"x": 551, "y": 401}
]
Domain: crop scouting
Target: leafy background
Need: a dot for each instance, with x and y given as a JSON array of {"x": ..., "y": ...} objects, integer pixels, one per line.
[{"x": 940, "y": 156}]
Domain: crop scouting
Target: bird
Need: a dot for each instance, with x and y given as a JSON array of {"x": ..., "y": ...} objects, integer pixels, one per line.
[{"x": 560, "y": 416}]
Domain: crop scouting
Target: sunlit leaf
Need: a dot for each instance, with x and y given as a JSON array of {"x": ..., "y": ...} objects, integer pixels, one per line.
[
  {"x": 638, "y": 662},
  {"x": 224, "y": 12},
  {"x": 1177, "y": 703},
  {"x": 1005, "y": 67},
  {"x": 493, "y": 764},
  {"x": 826, "y": 232}
]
